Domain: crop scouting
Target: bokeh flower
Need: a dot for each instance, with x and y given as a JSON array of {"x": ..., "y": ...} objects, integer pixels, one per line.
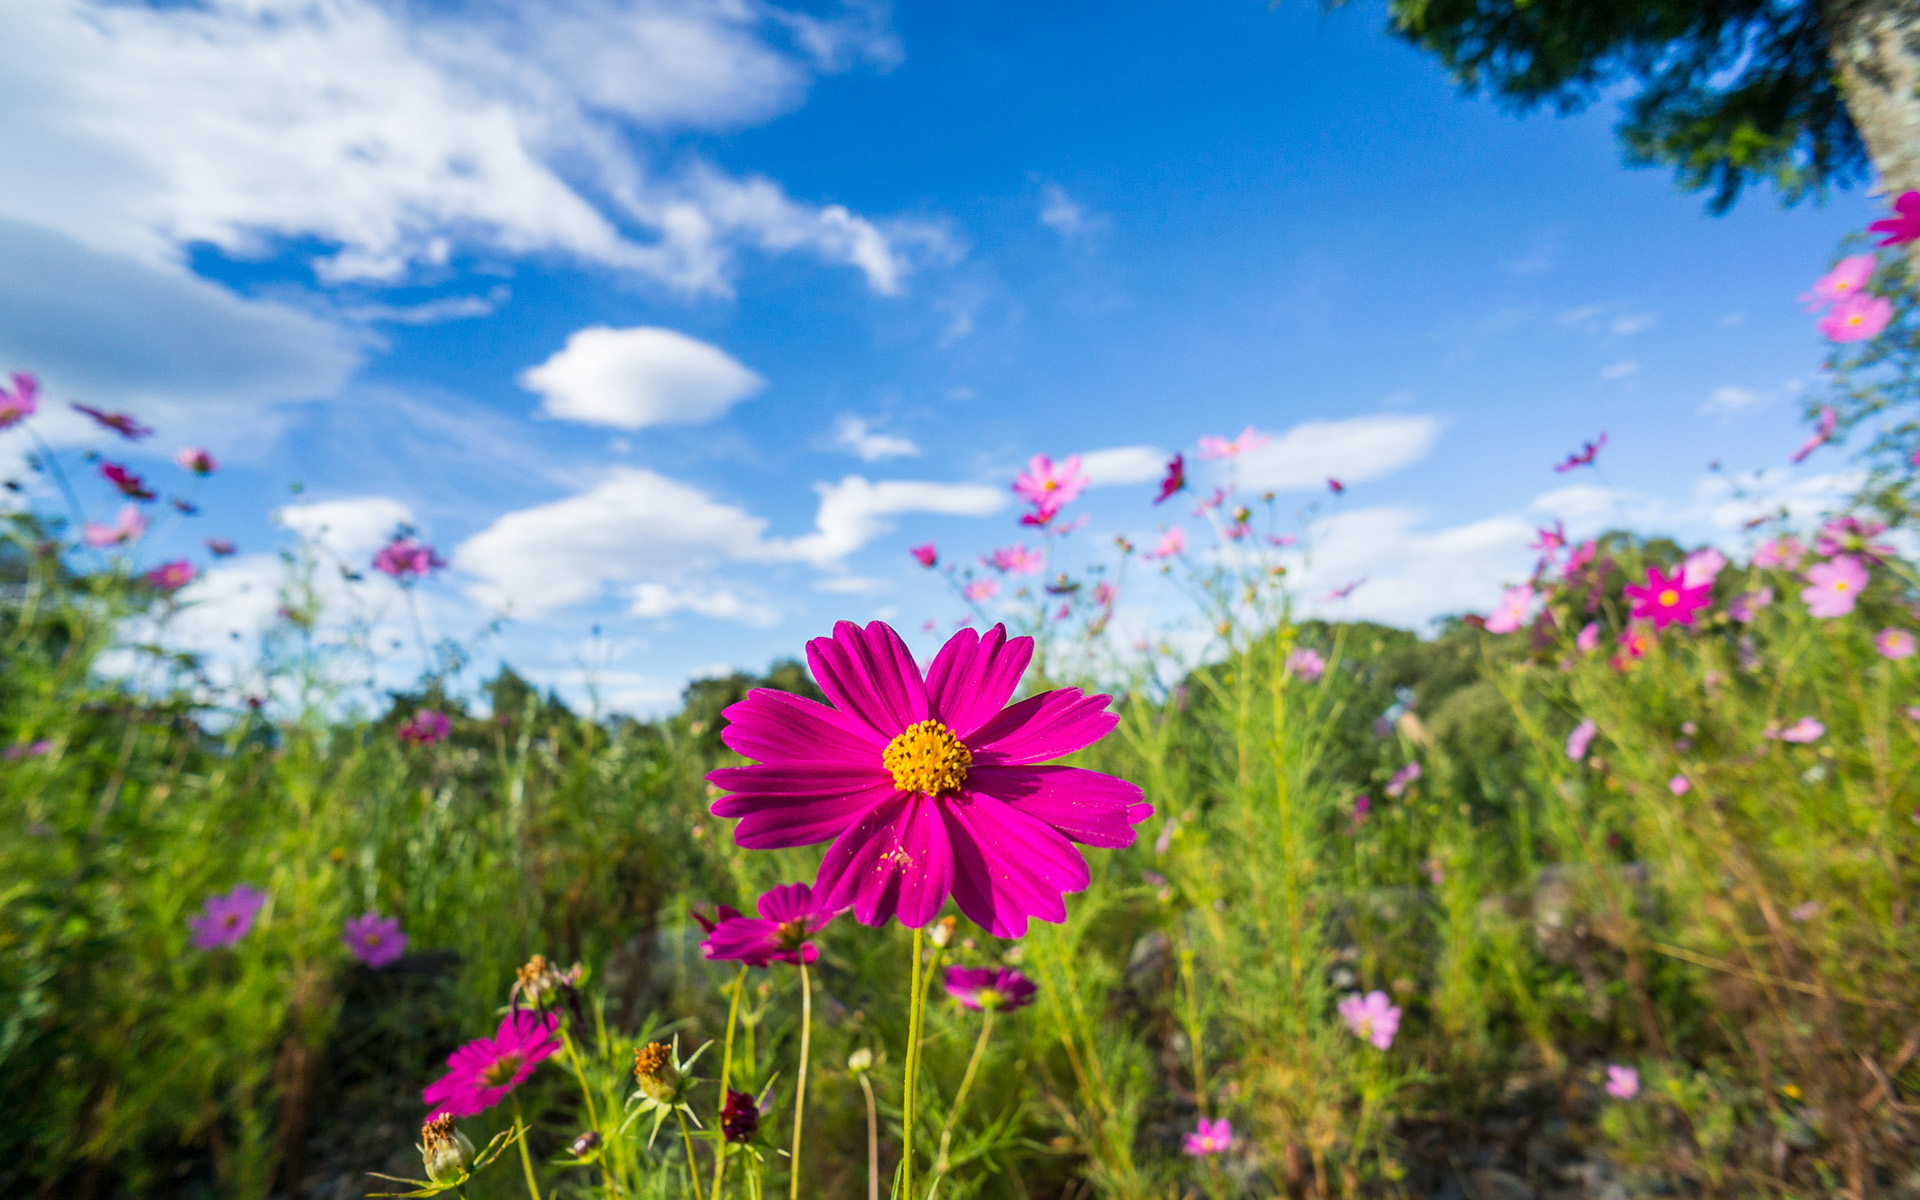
[
  {"x": 1679, "y": 785},
  {"x": 1176, "y": 479},
  {"x": 221, "y": 547},
  {"x": 1702, "y": 567},
  {"x": 1806, "y": 729},
  {"x": 1017, "y": 560},
  {"x": 1747, "y": 605},
  {"x": 1856, "y": 318},
  {"x": 126, "y": 482},
  {"x": 1511, "y": 613},
  {"x": 1305, "y": 663},
  {"x": 406, "y": 557},
  {"x": 1172, "y": 542},
  {"x": 425, "y": 728},
  {"x": 926, "y": 555},
  {"x": 1904, "y": 225},
  {"x": 1585, "y": 456},
  {"x": 1667, "y": 599},
  {"x": 121, "y": 423},
  {"x": 996, "y": 988},
  {"x": 172, "y": 576},
  {"x": 1894, "y": 643},
  {"x": 485, "y": 1070},
  {"x": 1821, "y": 435},
  {"x": 1849, "y": 534},
  {"x": 1847, "y": 278},
  {"x": 1048, "y": 485},
  {"x": 1834, "y": 587},
  {"x": 1785, "y": 552},
  {"x": 1372, "y": 1017},
  {"x": 19, "y": 403},
  {"x": 1250, "y": 439},
  {"x": 1397, "y": 786},
  {"x": 197, "y": 460},
  {"x": 926, "y": 786},
  {"x": 1209, "y": 1137},
  {"x": 979, "y": 591},
  {"x": 1623, "y": 1083},
  {"x": 27, "y": 750},
  {"x": 790, "y": 916},
  {"x": 374, "y": 940},
  {"x": 224, "y": 920},
  {"x": 1581, "y": 738},
  {"x": 1589, "y": 637}
]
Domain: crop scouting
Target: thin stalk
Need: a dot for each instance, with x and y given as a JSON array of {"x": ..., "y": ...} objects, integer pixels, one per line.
[
  {"x": 960, "y": 1097},
  {"x": 526, "y": 1160},
  {"x": 873, "y": 1140},
  {"x": 800, "y": 1090},
  {"x": 726, "y": 1070},
  {"x": 914, "y": 1012},
  {"x": 686, "y": 1138}
]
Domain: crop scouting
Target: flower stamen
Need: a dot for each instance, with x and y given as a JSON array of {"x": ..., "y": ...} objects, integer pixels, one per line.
[{"x": 927, "y": 758}]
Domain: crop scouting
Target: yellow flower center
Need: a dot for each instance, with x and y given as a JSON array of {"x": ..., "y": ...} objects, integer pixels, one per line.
[
  {"x": 1669, "y": 598},
  {"x": 501, "y": 1071},
  {"x": 1050, "y": 484},
  {"x": 1840, "y": 585},
  {"x": 927, "y": 758}
]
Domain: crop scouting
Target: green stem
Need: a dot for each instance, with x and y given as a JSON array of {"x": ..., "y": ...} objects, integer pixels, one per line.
[
  {"x": 526, "y": 1160},
  {"x": 915, "y": 1007},
  {"x": 873, "y": 1140},
  {"x": 960, "y": 1097},
  {"x": 726, "y": 1072},
  {"x": 686, "y": 1137},
  {"x": 800, "y": 1090}
]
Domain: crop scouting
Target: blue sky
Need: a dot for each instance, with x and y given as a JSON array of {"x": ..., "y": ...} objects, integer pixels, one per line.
[{"x": 683, "y": 319}]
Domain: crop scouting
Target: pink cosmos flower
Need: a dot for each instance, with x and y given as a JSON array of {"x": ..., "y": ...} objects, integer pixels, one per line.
[
  {"x": 1335, "y": 486},
  {"x": 1581, "y": 738},
  {"x": 29, "y": 750},
  {"x": 1249, "y": 440},
  {"x": 1344, "y": 590},
  {"x": 1176, "y": 480},
  {"x": 224, "y": 920},
  {"x": 979, "y": 591},
  {"x": 126, "y": 528},
  {"x": 1306, "y": 663},
  {"x": 1905, "y": 225},
  {"x": 426, "y": 728},
  {"x": 197, "y": 460},
  {"x": 783, "y": 932},
  {"x": 1856, "y": 318},
  {"x": 1209, "y": 1138},
  {"x": 1105, "y": 593},
  {"x": 1848, "y": 276},
  {"x": 1582, "y": 554},
  {"x": 1048, "y": 486},
  {"x": 1913, "y": 714},
  {"x": 485, "y": 1070},
  {"x": 1549, "y": 541},
  {"x": 979, "y": 988},
  {"x": 1512, "y": 612},
  {"x": 925, "y": 785},
  {"x": 121, "y": 423},
  {"x": 1894, "y": 643},
  {"x": 172, "y": 576},
  {"x": 19, "y": 404},
  {"x": 1623, "y": 1083},
  {"x": 1635, "y": 641},
  {"x": 407, "y": 558},
  {"x": 1585, "y": 456},
  {"x": 130, "y": 485},
  {"x": 1397, "y": 786},
  {"x": 1702, "y": 567},
  {"x": 1805, "y": 911},
  {"x": 1679, "y": 785},
  {"x": 374, "y": 940},
  {"x": 1372, "y": 1017},
  {"x": 1850, "y": 535},
  {"x": 1172, "y": 542},
  {"x": 1589, "y": 638},
  {"x": 1667, "y": 599},
  {"x": 1747, "y": 605},
  {"x": 1784, "y": 552},
  {"x": 1805, "y": 730},
  {"x": 221, "y": 548},
  {"x": 1017, "y": 560},
  {"x": 1822, "y": 434},
  {"x": 926, "y": 555},
  {"x": 1834, "y": 587}
]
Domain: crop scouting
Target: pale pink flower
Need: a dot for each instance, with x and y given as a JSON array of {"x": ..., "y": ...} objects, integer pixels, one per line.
[
  {"x": 1372, "y": 1017},
  {"x": 19, "y": 404},
  {"x": 1856, "y": 318},
  {"x": 1702, "y": 567},
  {"x": 1209, "y": 1138},
  {"x": 1250, "y": 439},
  {"x": 1623, "y": 1083},
  {"x": 1850, "y": 535},
  {"x": 1747, "y": 605},
  {"x": 1397, "y": 786},
  {"x": 172, "y": 576},
  {"x": 1307, "y": 664},
  {"x": 406, "y": 557},
  {"x": 1172, "y": 542},
  {"x": 1805, "y": 911},
  {"x": 1512, "y": 611},
  {"x": 1784, "y": 552},
  {"x": 1581, "y": 738},
  {"x": 1679, "y": 785},
  {"x": 1047, "y": 485},
  {"x": 197, "y": 460},
  {"x": 1017, "y": 560},
  {"x": 1805, "y": 730},
  {"x": 1834, "y": 587},
  {"x": 979, "y": 591},
  {"x": 1894, "y": 643},
  {"x": 1589, "y": 639},
  {"x": 1822, "y": 434},
  {"x": 1848, "y": 276},
  {"x": 125, "y": 529}
]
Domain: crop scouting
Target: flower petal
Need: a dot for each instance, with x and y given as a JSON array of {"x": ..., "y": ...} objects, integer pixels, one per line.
[
  {"x": 1042, "y": 727},
  {"x": 1091, "y": 808},
  {"x": 784, "y": 804},
  {"x": 1008, "y": 866},
  {"x": 788, "y": 902},
  {"x": 743, "y": 939},
  {"x": 894, "y": 862},
  {"x": 973, "y": 676},
  {"x": 775, "y": 726},
  {"x": 870, "y": 675}
]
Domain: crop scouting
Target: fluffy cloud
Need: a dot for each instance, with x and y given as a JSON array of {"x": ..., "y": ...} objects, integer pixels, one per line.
[
  {"x": 1354, "y": 450},
  {"x": 660, "y": 600},
  {"x": 1117, "y": 466},
  {"x": 1413, "y": 573},
  {"x": 854, "y": 511},
  {"x": 1725, "y": 400},
  {"x": 352, "y": 528},
  {"x": 633, "y": 378},
  {"x": 854, "y": 434},
  {"x": 1066, "y": 216}
]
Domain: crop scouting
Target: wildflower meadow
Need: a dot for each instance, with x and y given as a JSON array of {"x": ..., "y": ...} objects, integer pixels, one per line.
[{"x": 1605, "y": 892}]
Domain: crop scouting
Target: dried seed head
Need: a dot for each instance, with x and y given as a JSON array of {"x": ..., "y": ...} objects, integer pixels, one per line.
[
  {"x": 445, "y": 1151},
  {"x": 653, "y": 1068}
]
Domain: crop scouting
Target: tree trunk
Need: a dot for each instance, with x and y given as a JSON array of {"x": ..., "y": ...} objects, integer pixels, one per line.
[{"x": 1876, "y": 50}]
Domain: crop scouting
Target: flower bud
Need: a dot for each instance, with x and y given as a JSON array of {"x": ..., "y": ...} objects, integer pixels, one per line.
[
  {"x": 653, "y": 1067},
  {"x": 585, "y": 1144},
  {"x": 861, "y": 1060},
  {"x": 444, "y": 1150}
]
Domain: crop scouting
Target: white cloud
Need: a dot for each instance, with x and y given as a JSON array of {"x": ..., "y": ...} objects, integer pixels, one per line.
[
  {"x": 633, "y": 378},
  {"x": 846, "y": 585},
  {"x": 1729, "y": 502},
  {"x": 1066, "y": 216},
  {"x": 854, "y": 511},
  {"x": 1120, "y": 465},
  {"x": 1413, "y": 573},
  {"x": 1353, "y": 450},
  {"x": 1621, "y": 369},
  {"x": 1726, "y": 400},
  {"x": 660, "y": 600},
  {"x": 854, "y": 434},
  {"x": 352, "y": 528},
  {"x": 1628, "y": 324}
]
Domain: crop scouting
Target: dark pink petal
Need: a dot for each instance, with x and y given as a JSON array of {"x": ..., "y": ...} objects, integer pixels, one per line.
[
  {"x": 788, "y": 902},
  {"x": 1091, "y": 808},
  {"x": 1042, "y": 727},
  {"x": 799, "y": 779},
  {"x": 870, "y": 675},
  {"x": 1008, "y": 866},
  {"x": 772, "y": 821},
  {"x": 775, "y": 726},
  {"x": 974, "y": 675},
  {"x": 743, "y": 939},
  {"x": 895, "y": 862}
]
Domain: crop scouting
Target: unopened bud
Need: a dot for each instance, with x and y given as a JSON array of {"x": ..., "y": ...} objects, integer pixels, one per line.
[
  {"x": 444, "y": 1150},
  {"x": 585, "y": 1144},
  {"x": 653, "y": 1067},
  {"x": 860, "y": 1061}
]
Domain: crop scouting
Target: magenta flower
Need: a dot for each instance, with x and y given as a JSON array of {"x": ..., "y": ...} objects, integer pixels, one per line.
[
  {"x": 1747, "y": 605},
  {"x": 1856, "y": 318},
  {"x": 1822, "y": 434},
  {"x": 1549, "y": 541},
  {"x": 1397, "y": 786},
  {"x": 485, "y": 1070},
  {"x": 925, "y": 785},
  {"x": 172, "y": 576},
  {"x": 990, "y": 988},
  {"x": 1905, "y": 225},
  {"x": 374, "y": 940},
  {"x": 1589, "y": 638},
  {"x": 1306, "y": 664},
  {"x": 1850, "y": 535},
  {"x": 127, "y": 527},
  {"x": 1805, "y": 730},
  {"x": 1172, "y": 542},
  {"x": 1344, "y": 590},
  {"x": 1667, "y": 599},
  {"x": 1585, "y": 456},
  {"x": 1847, "y": 278},
  {"x": 1679, "y": 785},
  {"x": 224, "y": 920},
  {"x": 426, "y": 728},
  {"x": 407, "y": 558},
  {"x": 1834, "y": 587},
  {"x": 1702, "y": 567},
  {"x": 1209, "y": 1138},
  {"x": 1017, "y": 560},
  {"x": 1362, "y": 806},
  {"x": 926, "y": 555},
  {"x": 1176, "y": 480},
  {"x": 783, "y": 932},
  {"x": 1335, "y": 486},
  {"x": 130, "y": 485},
  {"x": 1623, "y": 1083},
  {"x": 1581, "y": 738},
  {"x": 1372, "y": 1017},
  {"x": 197, "y": 460},
  {"x": 1894, "y": 643},
  {"x": 29, "y": 750},
  {"x": 1784, "y": 552},
  {"x": 19, "y": 404},
  {"x": 220, "y": 547},
  {"x": 1249, "y": 440},
  {"x": 1048, "y": 486},
  {"x": 739, "y": 1116},
  {"x": 1105, "y": 593},
  {"x": 1511, "y": 613},
  {"x": 979, "y": 591},
  {"x": 120, "y": 423}
]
